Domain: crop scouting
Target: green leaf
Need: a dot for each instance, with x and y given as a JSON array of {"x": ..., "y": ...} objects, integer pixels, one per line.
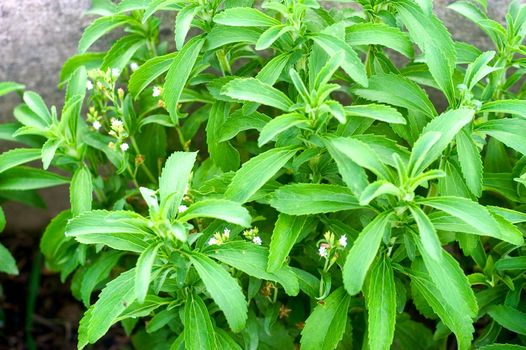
[
  {"x": 360, "y": 153},
  {"x": 352, "y": 174},
  {"x": 307, "y": 199},
  {"x": 376, "y": 189},
  {"x": 121, "y": 230},
  {"x": 224, "y": 289},
  {"x": 179, "y": 73},
  {"x": 363, "y": 252},
  {"x": 381, "y": 305},
  {"x": 511, "y": 264},
  {"x": 254, "y": 90},
  {"x": 238, "y": 122},
  {"x": 509, "y": 131},
  {"x": 113, "y": 300},
  {"x": 325, "y": 326},
  {"x": 286, "y": 232},
  {"x": 408, "y": 94},
  {"x": 514, "y": 107},
  {"x": 49, "y": 148},
  {"x": 81, "y": 191},
  {"x": 470, "y": 162},
  {"x": 270, "y": 35},
  {"x": 224, "y": 35},
  {"x": 2, "y": 220},
  {"x": 279, "y": 125},
  {"x": 77, "y": 84},
  {"x": 506, "y": 232},
  {"x": 375, "y": 111},
  {"x": 122, "y": 51},
  {"x": 509, "y": 318},
  {"x": 37, "y": 105},
  {"x": 98, "y": 28},
  {"x": 245, "y": 17},
  {"x": 198, "y": 329},
  {"x": 174, "y": 181},
  {"x": 252, "y": 260},
  {"x": 448, "y": 124},
  {"x": 269, "y": 74},
  {"x": 479, "y": 69},
  {"x": 143, "y": 270},
  {"x": 428, "y": 235},
  {"x": 466, "y": 210},
  {"x": 256, "y": 172},
  {"x": 502, "y": 347},
  {"x": 218, "y": 209},
  {"x": 53, "y": 238},
  {"x": 97, "y": 272},
  {"x": 222, "y": 153},
  {"x": 23, "y": 178},
  {"x": 89, "y": 60},
  {"x": 18, "y": 156},
  {"x": 456, "y": 319},
  {"x": 7, "y": 262},
  {"x": 432, "y": 37},
  {"x": 9, "y": 86},
  {"x": 183, "y": 21},
  {"x": 421, "y": 151},
  {"x": 351, "y": 63},
  {"x": 379, "y": 34},
  {"x": 148, "y": 72}
]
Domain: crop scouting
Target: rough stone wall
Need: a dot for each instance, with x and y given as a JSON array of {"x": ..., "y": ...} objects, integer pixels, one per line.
[{"x": 37, "y": 36}]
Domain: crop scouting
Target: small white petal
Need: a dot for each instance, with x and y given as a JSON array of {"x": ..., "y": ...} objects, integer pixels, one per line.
[
  {"x": 343, "y": 241},
  {"x": 323, "y": 251},
  {"x": 226, "y": 233},
  {"x": 115, "y": 72},
  {"x": 182, "y": 208},
  {"x": 124, "y": 147},
  {"x": 89, "y": 85},
  {"x": 212, "y": 241},
  {"x": 156, "y": 91},
  {"x": 257, "y": 240},
  {"x": 96, "y": 125},
  {"x": 134, "y": 66}
]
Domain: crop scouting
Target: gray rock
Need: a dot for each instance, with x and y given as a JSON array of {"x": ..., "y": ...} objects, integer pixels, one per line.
[{"x": 37, "y": 36}]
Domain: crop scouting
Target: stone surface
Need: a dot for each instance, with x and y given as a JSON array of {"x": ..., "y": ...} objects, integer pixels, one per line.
[{"x": 37, "y": 36}]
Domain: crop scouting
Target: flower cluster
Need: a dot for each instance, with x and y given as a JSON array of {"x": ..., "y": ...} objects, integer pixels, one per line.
[
  {"x": 219, "y": 238},
  {"x": 118, "y": 131},
  {"x": 253, "y": 235},
  {"x": 329, "y": 246},
  {"x": 94, "y": 118}
]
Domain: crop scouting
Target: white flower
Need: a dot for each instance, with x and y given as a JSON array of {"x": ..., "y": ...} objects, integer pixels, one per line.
[
  {"x": 96, "y": 125},
  {"x": 257, "y": 240},
  {"x": 323, "y": 251},
  {"x": 156, "y": 91},
  {"x": 343, "y": 241},
  {"x": 182, "y": 208},
  {"x": 115, "y": 72},
  {"x": 226, "y": 233},
  {"x": 89, "y": 85},
  {"x": 124, "y": 147},
  {"x": 134, "y": 66},
  {"x": 116, "y": 123},
  {"x": 212, "y": 241}
]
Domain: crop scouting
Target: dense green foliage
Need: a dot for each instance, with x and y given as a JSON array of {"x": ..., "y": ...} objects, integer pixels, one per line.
[{"x": 275, "y": 174}]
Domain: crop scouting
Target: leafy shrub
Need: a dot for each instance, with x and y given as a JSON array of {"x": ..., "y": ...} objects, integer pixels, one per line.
[{"x": 281, "y": 177}]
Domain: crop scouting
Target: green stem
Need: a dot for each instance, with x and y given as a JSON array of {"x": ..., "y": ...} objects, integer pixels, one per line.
[
  {"x": 34, "y": 283},
  {"x": 146, "y": 170}
]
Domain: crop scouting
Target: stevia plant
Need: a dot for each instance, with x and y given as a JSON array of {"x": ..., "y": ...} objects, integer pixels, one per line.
[{"x": 274, "y": 175}]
